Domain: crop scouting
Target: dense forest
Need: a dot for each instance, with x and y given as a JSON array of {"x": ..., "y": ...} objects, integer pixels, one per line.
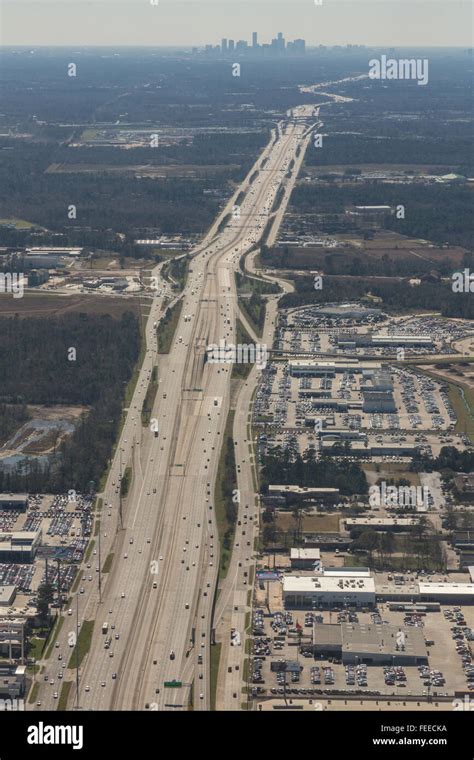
[
  {"x": 283, "y": 467},
  {"x": 36, "y": 369},
  {"x": 441, "y": 213},
  {"x": 449, "y": 458},
  {"x": 360, "y": 262},
  {"x": 396, "y": 296}
]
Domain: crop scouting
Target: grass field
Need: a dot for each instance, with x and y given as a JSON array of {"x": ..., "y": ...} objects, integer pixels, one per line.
[
  {"x": 215, "y": 659},
  {"x": 167, "y": 328},
  {"x": 43, "y": 304},
  {"x": 309, "y": 523},
  {"x": 83, "y": 644},
  {"x": 223, "y": 525}
]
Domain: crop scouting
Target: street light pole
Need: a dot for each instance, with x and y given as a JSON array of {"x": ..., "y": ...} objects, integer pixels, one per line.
[
  {"x": 77, "y": 652},
  {"x": 100, "y": 571}
]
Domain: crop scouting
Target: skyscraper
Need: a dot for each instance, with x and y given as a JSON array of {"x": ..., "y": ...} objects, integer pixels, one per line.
[
  {"x": 224, "y": 45},
  {"x": 230, "y": 46},
  {"x": 254, "y": 40}
]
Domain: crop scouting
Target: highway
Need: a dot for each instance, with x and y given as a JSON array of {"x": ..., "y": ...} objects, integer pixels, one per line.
[{"x": 158, "y": 595}]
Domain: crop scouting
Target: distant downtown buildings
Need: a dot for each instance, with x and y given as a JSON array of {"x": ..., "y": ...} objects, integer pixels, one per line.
[{"x": 278, "y": 46}]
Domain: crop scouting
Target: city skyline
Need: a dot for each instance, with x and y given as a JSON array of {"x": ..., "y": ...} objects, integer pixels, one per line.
[{"x": 339, "y": 22}]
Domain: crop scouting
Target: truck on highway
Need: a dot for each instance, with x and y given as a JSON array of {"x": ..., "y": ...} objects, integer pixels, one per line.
[{"x": 105, "y": 627}]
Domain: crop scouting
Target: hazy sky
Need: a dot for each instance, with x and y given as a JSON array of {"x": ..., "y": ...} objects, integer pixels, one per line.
[{"x": 195, "y": 22}]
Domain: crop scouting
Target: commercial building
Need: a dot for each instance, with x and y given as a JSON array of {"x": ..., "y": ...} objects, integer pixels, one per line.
[
  {"x": 314, "y": 367},
  {"x": 20, "y": 546},
  {"x": 381, "y": 340},
  {"x": 305, "y": 559},
  {"x": 301, "y": 493},
  {"x": 383, "y": 644},
  {"x": 7, "y": 595},
  {"x": 377, "y": 393},
  {"x": 14, "y": 501},
  {"x": 447, "y": 593},
  {"x": 382, "y": 523},
  {"x": 370, "y": 644},
  {"x": 464, "y": 485},
  {"x": 358, "y": 448},
  {"x": 310, "y": 592}
]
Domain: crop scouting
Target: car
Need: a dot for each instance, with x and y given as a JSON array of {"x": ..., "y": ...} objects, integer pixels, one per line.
[
  {"x": 125, "y": 556},
  {"x": 201, "y": 696},
  {"x": 102, "y": 684},
  {"x": 88, "y": 688},
  {"x": 55, "y": 695},
  {"x": 172, "y": 655},
  {"x": 38, "y": 704},
  {"x": 117, "y": 636},
  {"x": 114, "y": 676},
  {"x": 81, "y": 590},
  {"x": 57, "y": 645},
  {"x": 69, "y": 612},
  {"x": 60, "y": 657},
  {"x": 186, "y": 606},
  {"x": 123, "y": 594}
]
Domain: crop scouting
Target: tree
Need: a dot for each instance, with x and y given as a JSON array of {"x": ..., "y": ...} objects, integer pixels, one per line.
[{"x": 45, "y": 598}]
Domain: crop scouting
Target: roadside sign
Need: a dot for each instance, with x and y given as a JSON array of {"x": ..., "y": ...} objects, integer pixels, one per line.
[{"x": 173, "y": 684}]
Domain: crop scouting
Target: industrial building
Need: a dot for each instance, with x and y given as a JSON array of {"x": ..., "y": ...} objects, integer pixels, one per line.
[
  {"x": 305, "y": 559},
  {"x": 15, "y": 501},
  {"x": 310, "y": 591}
]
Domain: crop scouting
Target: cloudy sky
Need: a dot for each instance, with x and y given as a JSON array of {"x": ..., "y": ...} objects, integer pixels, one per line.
[{"x": 195, "y": 22}]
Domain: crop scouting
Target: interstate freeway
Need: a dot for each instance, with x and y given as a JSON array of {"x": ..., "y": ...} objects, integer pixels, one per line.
[{"x": 158, "y": 595}]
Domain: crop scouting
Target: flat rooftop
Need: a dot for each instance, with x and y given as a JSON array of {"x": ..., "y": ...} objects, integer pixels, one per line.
[
  {"x": 300, "y": 584},
  {"x": 309, "y": 554},
  {"x": 383, "y": 639}
]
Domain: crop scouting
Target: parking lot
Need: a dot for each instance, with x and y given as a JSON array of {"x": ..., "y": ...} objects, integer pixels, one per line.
[{"x": 285, "y": 635}]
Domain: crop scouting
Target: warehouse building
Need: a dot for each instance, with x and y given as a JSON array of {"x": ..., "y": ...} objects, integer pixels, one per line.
[{"x": 310, "y": 592}]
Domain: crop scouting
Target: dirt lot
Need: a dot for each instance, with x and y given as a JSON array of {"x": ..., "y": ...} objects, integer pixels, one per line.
[{"x": 309, "y": 523}]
